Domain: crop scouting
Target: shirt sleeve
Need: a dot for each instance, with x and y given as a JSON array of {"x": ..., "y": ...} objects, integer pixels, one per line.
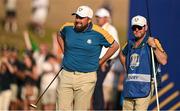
[
  {"x": 105, "y": 38},
  {"x": 105, "y": 43},
  {"x": 62, "y": 32},
  {"x": 158, "y": 44},
  {"x": 125, "y": 49},
  {"x": 63, "y": 29}
]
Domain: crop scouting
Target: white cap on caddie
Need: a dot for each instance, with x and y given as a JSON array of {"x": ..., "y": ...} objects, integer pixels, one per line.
[
  {"x": 84, "y": 11},
  {"x": 102, "y": 12},
  {"x": 139, "y": 20}
]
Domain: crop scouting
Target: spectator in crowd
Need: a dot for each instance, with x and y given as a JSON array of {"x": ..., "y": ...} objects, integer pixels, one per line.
[
  {"x": 6, "y": 71},
  {"x": 16, "y": 78},
  {"x": 118, "y": 71},
  {"x": 10, "y": 19},
  {"x": 50, "y": 69},
  {"x": 103, "y": 19},
  {"x": 29, "y": 90},
  {"x": 39, "y": 14},
  {"x": 39, "y": 53},
  {"x": 39, "y": 57}
]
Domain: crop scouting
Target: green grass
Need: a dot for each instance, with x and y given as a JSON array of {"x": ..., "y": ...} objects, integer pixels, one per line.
[{"x": 17, "y": 40}]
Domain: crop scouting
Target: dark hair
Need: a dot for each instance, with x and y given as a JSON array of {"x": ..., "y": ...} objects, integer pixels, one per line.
[
  {"x": 14, "y": 49},
  {"x": 5, "y": 47},
  {"x": 49, "y": 55},
  {"x": 30, "y": 55}
]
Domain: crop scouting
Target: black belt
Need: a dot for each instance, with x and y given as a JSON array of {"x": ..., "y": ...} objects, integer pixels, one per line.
[{"x": 69, "y": 70}]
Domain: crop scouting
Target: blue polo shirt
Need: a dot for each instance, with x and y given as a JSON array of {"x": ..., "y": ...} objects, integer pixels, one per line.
[{"x": 82, "y": 49}]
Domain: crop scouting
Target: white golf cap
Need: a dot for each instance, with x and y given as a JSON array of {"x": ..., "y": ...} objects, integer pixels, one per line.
[
  {"x": 138, "y": 20},
  {"x": 102, "y": 12},
  {"x": 84, "y": 11}
]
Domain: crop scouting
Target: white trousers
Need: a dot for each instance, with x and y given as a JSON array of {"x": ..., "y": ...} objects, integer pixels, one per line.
[{"x": 5, "y": 99}]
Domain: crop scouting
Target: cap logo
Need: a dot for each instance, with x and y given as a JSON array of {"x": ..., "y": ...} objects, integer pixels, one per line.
[
  {"x": 80, "y": 9},
  {"x": 136, "y": 19}
]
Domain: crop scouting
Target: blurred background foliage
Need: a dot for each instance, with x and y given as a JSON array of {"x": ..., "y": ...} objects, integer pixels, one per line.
[{"x": 59, "y": 12}]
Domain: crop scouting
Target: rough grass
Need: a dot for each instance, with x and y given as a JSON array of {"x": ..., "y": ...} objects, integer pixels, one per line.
[{"x": 17, "y": 39}]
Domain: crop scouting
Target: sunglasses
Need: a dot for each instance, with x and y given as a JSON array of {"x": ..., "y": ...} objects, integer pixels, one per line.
[{"x": 136, "y": 26}]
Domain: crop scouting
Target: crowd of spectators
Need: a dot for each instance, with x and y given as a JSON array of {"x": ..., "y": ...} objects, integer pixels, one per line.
[
  {"x": 22, "y": 80},
  {"x": 24, "y": 76}
]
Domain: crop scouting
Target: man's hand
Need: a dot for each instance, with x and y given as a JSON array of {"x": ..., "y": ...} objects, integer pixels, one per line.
[
  {"x": 158, "y": 50},
  {"x": 104, "y": 66},
  {"x": 114, "y": 47},
  {"x": 151, "y": 42},
  {"x": 4, "y": 60}
]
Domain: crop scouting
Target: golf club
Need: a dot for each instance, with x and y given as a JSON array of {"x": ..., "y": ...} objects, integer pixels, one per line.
[
  {"x": 39, "y": 98},
  {"x": 152, "y": 58}
]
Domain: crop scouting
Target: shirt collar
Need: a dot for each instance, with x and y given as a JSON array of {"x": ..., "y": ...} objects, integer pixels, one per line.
[
  {"x": 142, "y": 43},
  {"x": 89, "y": 27}
]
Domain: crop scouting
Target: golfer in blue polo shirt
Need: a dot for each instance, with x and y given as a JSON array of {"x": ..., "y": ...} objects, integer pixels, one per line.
[{"x": 81, "y": 43}]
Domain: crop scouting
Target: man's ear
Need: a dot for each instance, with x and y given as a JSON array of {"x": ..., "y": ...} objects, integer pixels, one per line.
[
  {"x": 146, "y": 27},
  {"x": 89, "y": 20}
]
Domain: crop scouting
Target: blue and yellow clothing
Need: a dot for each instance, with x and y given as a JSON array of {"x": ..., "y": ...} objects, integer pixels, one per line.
[
  {"x": 139, "y": 70},
  {"x": 82, "y": 49}
]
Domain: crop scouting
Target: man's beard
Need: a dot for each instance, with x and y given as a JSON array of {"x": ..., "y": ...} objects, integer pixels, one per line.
[
  {"x": 138, "y": 38},
  {"x": 80, "y": 27}
]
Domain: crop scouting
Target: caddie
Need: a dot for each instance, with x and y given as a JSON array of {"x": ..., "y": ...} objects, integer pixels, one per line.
[{"x": 136, "y": 58}]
